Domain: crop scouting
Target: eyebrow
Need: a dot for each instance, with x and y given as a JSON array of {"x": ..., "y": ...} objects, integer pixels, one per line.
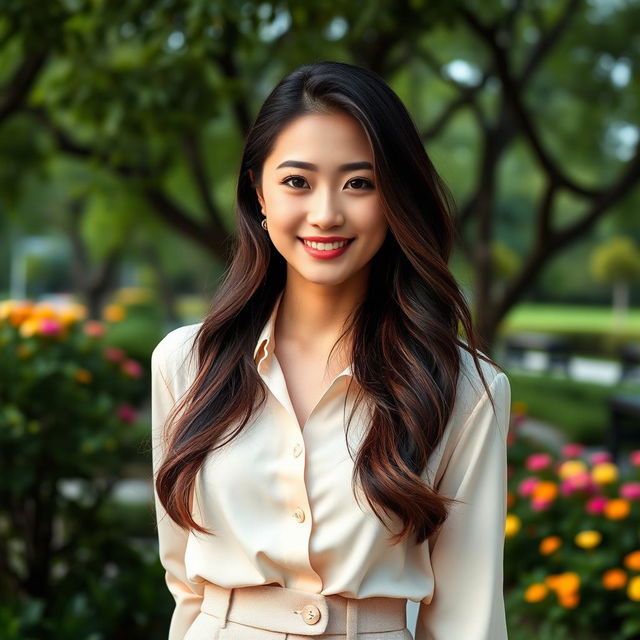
[{"x": 349, "y": 166}]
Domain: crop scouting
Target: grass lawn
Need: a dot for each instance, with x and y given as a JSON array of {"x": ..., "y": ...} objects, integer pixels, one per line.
[
  {"x": 568, "y": 318},
  {"x": 579, "y": 409}
]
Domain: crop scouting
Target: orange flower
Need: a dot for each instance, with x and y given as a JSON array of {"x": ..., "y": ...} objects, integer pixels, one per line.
[
  {"x": 563, "y": 583},
  {"x": 114, "y": 313},
  {"x": 545, "y": 490},
  {"x": 632, "y": 560},
  {"x": 84, "y": 376},
  {"x": 15, "y": 311},
  {"x": 614, "y": 578},
  {"x": 569, "y": 600},
  {"x": 617, "y": 509},
  {"x": 536, "y": 592},
  {"x": 519, "y": 408},
  {"x": 550, "y": 544}
]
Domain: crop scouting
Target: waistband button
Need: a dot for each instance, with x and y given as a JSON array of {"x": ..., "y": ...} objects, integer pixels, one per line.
[{"x": 310, "y": 614}]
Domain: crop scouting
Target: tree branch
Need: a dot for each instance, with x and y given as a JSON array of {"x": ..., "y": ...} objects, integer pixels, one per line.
[{"x": 13, "y": 95}]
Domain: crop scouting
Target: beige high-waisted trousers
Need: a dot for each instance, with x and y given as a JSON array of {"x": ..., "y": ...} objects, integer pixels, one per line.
[{"x": 272, "y": 612}]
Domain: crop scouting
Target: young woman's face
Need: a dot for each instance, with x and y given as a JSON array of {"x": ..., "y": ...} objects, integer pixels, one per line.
[{"x": 318, "y": 184}]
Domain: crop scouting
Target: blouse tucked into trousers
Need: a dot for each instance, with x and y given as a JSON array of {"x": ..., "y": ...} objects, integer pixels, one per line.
[{"x": 280, "y": 502}]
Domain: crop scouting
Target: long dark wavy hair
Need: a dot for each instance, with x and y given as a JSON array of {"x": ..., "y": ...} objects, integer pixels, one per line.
[{"x": 404, "y": 335}]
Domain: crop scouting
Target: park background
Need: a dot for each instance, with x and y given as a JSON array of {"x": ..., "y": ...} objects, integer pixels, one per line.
[{"x": 121, "y": 126}]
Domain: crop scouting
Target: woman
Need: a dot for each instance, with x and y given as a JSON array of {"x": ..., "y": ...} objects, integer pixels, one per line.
[{"x": 279, "y": 515}]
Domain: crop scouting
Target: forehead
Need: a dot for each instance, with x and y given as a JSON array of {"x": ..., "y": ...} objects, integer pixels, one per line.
[{"x": 328, "y": 138}]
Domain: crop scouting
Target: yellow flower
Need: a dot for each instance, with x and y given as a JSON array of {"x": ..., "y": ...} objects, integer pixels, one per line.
[
  {"x": 72, "y": 313},
  {"x": 512, "y": 525},
  {"x": 44, "y": 310},
  {"x": 617, "y": 509},
  {"x": 571, "y": 468},
  {"x": 604, "y": 473},
  {"x": 545, "y": 490},
  {"x": 550, "y": 544},
  {"x": 84, "y": 376},
  {"x": 632, "y": 561},
  {"x": 633, "y": 588},
  {"x": 563, "y": 583},
  {"x": 30, "y": 327},
  {"x": 614, "y": 578},
  {"x": 588, "y": 539},
  {"x": 114, "y": 313},
  {"x": 536, "y": 592}
]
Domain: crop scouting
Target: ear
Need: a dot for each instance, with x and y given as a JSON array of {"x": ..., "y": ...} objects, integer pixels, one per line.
[{"x": 257, "y": 188}]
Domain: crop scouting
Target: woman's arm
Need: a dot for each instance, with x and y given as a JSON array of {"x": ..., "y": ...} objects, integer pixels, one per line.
[
  {"x": 467, "y": 552},
  {"x": 172, "y": 539}
]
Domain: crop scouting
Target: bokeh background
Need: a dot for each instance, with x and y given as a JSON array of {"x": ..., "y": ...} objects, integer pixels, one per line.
[{"x": 121, "y": 126}]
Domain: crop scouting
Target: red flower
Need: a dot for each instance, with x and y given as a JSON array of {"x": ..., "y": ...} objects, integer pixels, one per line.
[
  {"x": 132, "y": 368},
  {"x": 126, "y": 413}
]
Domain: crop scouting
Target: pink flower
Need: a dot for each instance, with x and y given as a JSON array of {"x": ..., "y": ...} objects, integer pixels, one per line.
[
  {"x": 540, "y": 504},
  {"x": 527, "y": 485},
  {"x": 596, "y": 505},
  {"x": 572, "y": 450},
  {"x": 114, "y": 354},
  {"x": 132, "y": 368},
  {"x": 50, "y": 326},
  {"x": 538, "y": 461},
  {"x": 580, "y": 481},
  {"x": 126, "y": 413},
  {"x": 94, "y": 328},
  {"x": 600, "y": 456},
  {"x": 634, "y": 458},
  {"x": 630, "y": 491}
]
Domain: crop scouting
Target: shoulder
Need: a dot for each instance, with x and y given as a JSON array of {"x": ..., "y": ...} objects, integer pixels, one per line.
[
  {"x": 472, "y": 398},
  {"x": 174, "y": 357},
  {"x": 470, "y": 390}
]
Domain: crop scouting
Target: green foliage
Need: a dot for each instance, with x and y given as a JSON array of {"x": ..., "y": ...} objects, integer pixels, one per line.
[
  {"x": 67, "y": 430},
  {"x": 616, "y": 261}
]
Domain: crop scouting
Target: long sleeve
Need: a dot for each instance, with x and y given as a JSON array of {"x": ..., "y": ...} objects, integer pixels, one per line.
[
  {"x": 172, "y": 539},
  {"x": 467, "y": 552}
]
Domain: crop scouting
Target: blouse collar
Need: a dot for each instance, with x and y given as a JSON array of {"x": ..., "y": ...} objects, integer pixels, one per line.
[{"x": 266, "y": 338}]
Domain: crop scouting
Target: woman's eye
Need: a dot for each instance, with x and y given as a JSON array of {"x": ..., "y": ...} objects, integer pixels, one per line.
[
  {"x": 360, "y": 184},
  {"x": 297, "y": 185}
]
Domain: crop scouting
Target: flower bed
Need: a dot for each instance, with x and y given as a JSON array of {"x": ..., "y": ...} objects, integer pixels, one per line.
[{"x": 572, "y": 539}]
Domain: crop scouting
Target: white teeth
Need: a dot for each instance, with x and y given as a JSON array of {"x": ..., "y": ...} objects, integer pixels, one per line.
[{"x": 325, "y": 246}]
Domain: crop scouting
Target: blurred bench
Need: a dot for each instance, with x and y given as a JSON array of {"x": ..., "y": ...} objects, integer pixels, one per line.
[
  {"x": 558, "y": 349},
  {"x": 629, "y": 359},
  {"x": 624, "y": 428}
]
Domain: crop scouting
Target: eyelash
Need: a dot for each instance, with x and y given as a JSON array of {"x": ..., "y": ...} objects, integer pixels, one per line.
[{"x": 369, "y": 184}]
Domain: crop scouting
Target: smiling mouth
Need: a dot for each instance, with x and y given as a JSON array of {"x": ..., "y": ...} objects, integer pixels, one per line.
[{"x": 326, "y": 246}]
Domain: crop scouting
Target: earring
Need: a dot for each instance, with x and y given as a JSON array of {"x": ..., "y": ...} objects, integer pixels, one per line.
[{"x": 264, "y": 223}]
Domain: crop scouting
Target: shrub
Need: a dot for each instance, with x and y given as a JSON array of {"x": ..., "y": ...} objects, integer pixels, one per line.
[{"x": 68, "y": 425}]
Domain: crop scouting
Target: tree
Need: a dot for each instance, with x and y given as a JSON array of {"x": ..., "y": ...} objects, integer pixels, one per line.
[
  {"x": 163, "y": 93},
  {"x": 617, "y": 262}
]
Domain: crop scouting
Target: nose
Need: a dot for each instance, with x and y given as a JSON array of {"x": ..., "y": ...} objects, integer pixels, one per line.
[{"x": 325, "y": 209}]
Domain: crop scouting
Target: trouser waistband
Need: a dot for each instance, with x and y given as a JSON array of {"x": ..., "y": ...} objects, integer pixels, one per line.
[{"x": 299, "y": 612}]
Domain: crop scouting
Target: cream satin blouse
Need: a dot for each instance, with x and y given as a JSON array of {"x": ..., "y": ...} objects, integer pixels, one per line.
[{"x": 280, "y": 502}]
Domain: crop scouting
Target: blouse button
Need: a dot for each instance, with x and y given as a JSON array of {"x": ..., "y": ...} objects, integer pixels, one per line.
[
  {"x": 297, "y": 450},
  {"x": 310, "y": 614},
  {"x": 298, "y": 514}
]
